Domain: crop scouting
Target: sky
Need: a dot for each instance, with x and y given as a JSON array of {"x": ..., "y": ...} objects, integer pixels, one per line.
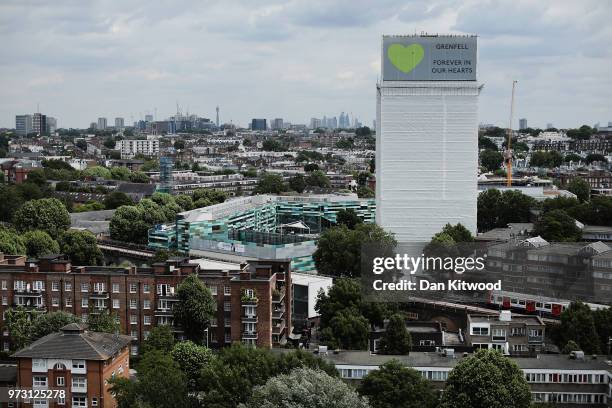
[{"x": 79, "y": 60}]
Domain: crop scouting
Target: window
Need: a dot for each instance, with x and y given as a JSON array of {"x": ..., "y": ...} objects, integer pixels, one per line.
[
  {"x": 55, "y": 302},
  {"x": 99, "y": 287},
  {"x": 146, "y": 288},
  {"x": 134, "y": 334},
  {"x": 213, "y": 322},
  {"x": 39, "y": 381},
  {"x": 55, "y": 286},
  {"x": 68, "y": 301},
  {"x": 61, "y": 401},
  {"x": 39, "y": 285},
  {"x": 145, "y": 334},
  {"x": 78, "y": 364},
  {"x": 84, "y": 317},
  {"x": 133, "y": 304},
  {"x": 133, "y": 287},
  {"x": 227, "y": 322},
  {"x": 146, "y": 304},
  {"x": 4, "y": 300},
  {"x": 84, "y": 287},
  {"x": 4, "y": 285},
  {"x": 84, "y": 302},
  {"x": 213, "y": 290},
  {"x": 480, "y": 331},
  {"x": 499, "y": 334},
  {"x": 79, "y": 382},
  {"x": 228, "y": 337},
  {"x": 115, "y": 303},
  {"x": 115, "y": 288},
  {"x": 147, "y": 320},
  {"x": 19, "y": 286},
  {"x": 133, "y": 319},
  {"x": 227, "y": 306},
  {"x": 68, "y": 286},
  {"x": 60, "y": 381},
  {"x": 227, "y": 290},
  {"x": 79, "y": 401},
  {"x": 94, "y": 402},
  {"x": 40, "y": 403}
]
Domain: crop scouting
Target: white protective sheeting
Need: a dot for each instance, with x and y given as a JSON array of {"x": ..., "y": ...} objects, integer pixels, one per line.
[{"x": 426, "y": 157}]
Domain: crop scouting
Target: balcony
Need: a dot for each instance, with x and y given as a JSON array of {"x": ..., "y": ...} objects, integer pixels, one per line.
[
  {"x": 249, "y": 318},
  {"x": 252, "y": 335},
  {"x": 278, "y": 295},
  {"x": 29, "y": 307},
  {"x": 163, "y": 312},
  {"x": 28, "y": 293},
  {"x": 248, "y": 300},
  {"x": 278, "y": 328},
  {"x": 536, "y": 339},
  {"x": 99, "y": 295},
  {"x": 278, "y": 313},
  {"x": 80, "y": 387}
]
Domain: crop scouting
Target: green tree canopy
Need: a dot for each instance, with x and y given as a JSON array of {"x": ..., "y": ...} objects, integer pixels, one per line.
[
  {"x": 11, "y": 243},
  {"x": 395, "y": 386},
  {"x": 160, "y": 338},
  {"x": 548, "y": 159},
  {"x": 557, "y": 225},
  {"x": 46, "y": 214},
  {"x": 348, "y": 217},
  {"x": 191, "y": 358},
  {"x": 486, "y": 379},
  {"x": 97, "y": 172},
  {"x": 161, "y": 382},
  {"x": 20, "y": 327},
  {"x": 496, "y": 209},
  {"x": 581, "y": 188},
  {"x": 318, "y": 178},
  {"x": 103, "y": 322},
  {"x": 396, "y": 339},
  {"x": 116, "y": 199},
  {"x": 339, "y": 249},
  {"x": 39, "y": 243},
  {"x": 195, "y": 308},
  {"x": 578, "y": 325},
  {"x": 52, "y": 322},
  {"x": 297, "y": 183},
  {"x": 270, "y": 183},
  {"x": 305, "y": 388},
  {"x": 81, "y": 247},
  {"x": 491, "y": 160}
]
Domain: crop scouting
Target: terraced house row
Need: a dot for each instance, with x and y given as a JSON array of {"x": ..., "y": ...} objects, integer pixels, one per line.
[{"x": 253, "y": 303}]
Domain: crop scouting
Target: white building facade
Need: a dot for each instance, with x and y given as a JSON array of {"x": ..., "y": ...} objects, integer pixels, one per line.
[
  {"x": 130, "y": 148},
  {"x": 427, "y": 135}
]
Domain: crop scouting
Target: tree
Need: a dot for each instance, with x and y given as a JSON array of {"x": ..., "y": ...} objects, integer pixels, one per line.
[
  {"x": 37, "y": 176},
  {"x": 139, "y": 177},
  {"x": 365, "y": 192},
  {"x": 347, "y": 330},
  {"x": 595, "y": 157},
  {"x": 548, "y": 159},
  {"x": 11, "y": 243},
  {"x": 120, "y": 173},
  {"x": 348, "y": 217},
  {"x": 491, "y": 160},
  {"x": 309, "y": 167},
  {"x": 396, "y": 339},
  {"x": 10, "y": 201},
  {"x": 395, "y": 386},
  {"x": 179, "y": 144},
  {"x": 305, "y": 388},
  {"x": 572, "y": 157},
  {"x": 195, "y": 308},
  {"x": 160, "y": 338},
  {"x": 47, "y": 323},
  {"x": 578, "y": 325},
  {"x": 270, "y": 145},
  {"x": 161, "y": 383},
  {"x": 557, "y": 225},
  {"x": 496, "y": 209},
  {"x": 297, "y": 183},
  {"x": 103, "y": 322},
  {"x": 46, "y": 214},
  {"x": 486, "y": 379},
  {"x": 570, "y": 346},
  {"x": 339, "y": 249},
  {"x": 583, "y": 132},
  {"x": 304, "y": 359},
  {"x": 116, "y": 199},
  {"x": 20, "y": 327},
  {"x": 39, "y": 243},
  {"x": 270, "y": 183},
  {"x": 184, "y": 201},
  {"x": 127, "y": 225},
  {"x": 581, "y": 188},
  {"x": 97, "y": 172},
  {"x": 81, "y": 247},
  {"x": 125, "y": 392},
  {"x": 229, "y": 378},
  {"x": 191, "y": 358},
  {"x": 318, "y": 178}
]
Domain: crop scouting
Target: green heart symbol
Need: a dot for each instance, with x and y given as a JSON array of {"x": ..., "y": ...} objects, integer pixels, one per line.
[{"x": 405, "y": 58}]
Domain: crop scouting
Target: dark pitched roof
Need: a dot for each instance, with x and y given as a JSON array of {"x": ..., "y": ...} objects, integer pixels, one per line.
[
  {"x": 137, "y": 188},
  {"x": 75, "y": 342}
]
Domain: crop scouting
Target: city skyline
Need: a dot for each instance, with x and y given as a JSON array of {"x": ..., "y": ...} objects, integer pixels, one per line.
[{"x": 133, "y": 55}]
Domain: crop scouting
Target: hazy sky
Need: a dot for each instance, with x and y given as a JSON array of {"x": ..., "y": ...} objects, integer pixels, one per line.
[{"x": 81, "y": 59}]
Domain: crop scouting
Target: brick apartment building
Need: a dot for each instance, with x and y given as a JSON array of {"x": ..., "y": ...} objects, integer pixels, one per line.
[
  {"x": 75, "y": 361},
  {"x": 253, "y": 305}
]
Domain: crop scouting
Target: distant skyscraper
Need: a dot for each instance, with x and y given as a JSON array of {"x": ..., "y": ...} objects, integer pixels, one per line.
[
  {"x": 101, "y": 124},
  {"x": 217, "y": 121},
  {"x": 119, "y": 123},
  {"x": 277, "y": 124},
  {"x": 259, "y": 124},
  {"x": 148, "y": 118},
  {"x": 23, "y": 125},
  {"x": 522, "y": 124},
  {"x": 315, "y": 123},
  {"x": 549, "y": 126},
  {"x": 39, "y": 123},
  {"x": 51, "y": 125}
]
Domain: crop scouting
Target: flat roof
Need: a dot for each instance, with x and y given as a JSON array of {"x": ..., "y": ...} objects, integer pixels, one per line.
[{"x": 211, "y": 264}]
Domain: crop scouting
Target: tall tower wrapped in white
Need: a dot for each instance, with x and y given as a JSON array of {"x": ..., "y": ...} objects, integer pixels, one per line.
[{"x": 427, "y": 135}]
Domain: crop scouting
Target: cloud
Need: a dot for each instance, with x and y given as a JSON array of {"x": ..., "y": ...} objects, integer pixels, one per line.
[{"x": 290, "y": 58}]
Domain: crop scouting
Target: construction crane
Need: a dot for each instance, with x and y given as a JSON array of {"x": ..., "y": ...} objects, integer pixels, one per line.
[{"x": 508, "y": 151}]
